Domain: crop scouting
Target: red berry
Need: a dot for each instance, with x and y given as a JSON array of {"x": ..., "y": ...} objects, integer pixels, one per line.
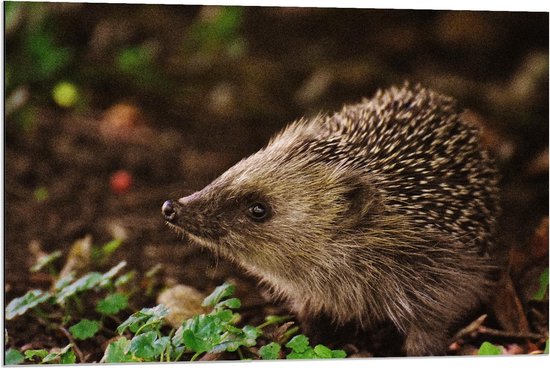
[{"x": 121, "y": 181}]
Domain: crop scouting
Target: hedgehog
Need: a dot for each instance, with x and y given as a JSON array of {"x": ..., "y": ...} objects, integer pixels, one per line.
[{"x": 382, "y": 212}]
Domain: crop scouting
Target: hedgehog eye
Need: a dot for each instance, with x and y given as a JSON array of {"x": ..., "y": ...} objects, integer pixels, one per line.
[{"x": 257, "y": 212}]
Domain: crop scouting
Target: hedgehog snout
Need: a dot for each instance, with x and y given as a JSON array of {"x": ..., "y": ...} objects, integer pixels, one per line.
[
  {"x": 169, "y": 211},
  {"x": 172, "y": 209}
]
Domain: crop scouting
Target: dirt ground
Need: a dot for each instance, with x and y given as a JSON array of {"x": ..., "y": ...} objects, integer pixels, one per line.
[{"x": 214, "y": 105}]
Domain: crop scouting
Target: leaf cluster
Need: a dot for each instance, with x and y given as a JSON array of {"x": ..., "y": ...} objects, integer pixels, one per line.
[
  {"x": 69, "y": 295},
  {"x": 61, "y": 356},
  {"x": 143, "y": 336},
  {"x": 64, "y": 289},
  {"x": 214, "y": 332},
  {"x": 300, "y": 350}
]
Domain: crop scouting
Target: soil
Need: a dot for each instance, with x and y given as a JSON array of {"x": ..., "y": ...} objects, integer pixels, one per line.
[{"x": 219, "y": 109}]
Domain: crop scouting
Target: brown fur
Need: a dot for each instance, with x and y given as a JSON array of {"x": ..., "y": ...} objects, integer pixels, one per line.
[{"x": 383, "y": 211}]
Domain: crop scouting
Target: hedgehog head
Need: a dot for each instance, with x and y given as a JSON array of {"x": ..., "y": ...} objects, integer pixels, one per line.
[{"x": 277, "y": 206}]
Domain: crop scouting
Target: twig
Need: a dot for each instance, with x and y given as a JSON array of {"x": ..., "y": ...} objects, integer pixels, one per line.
[
  {"x": 509, "y": 334},
  {"x": 475, "y": 328},
  {"x": 76, "y": 349},
  {"x": 471, "y": 328}
]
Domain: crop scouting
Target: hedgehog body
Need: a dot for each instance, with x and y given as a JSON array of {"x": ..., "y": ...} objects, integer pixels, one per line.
[{"x": 381, "y": 211}]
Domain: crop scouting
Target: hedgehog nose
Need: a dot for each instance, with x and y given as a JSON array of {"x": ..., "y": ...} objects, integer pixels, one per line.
[{"x": 169, "y": 211}]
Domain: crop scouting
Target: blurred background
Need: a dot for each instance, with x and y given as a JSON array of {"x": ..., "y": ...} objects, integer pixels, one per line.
[{"x": 111, "y": 109}]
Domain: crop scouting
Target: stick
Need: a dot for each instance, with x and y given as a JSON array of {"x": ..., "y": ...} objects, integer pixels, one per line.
[
  {"x": 509, "y": 334},
  {"x": 76, "y": 349},
  {"x": 471, "y": 328}
]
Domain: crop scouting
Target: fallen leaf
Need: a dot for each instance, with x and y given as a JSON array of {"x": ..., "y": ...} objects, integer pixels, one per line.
[{"x": 183, "y": 301}]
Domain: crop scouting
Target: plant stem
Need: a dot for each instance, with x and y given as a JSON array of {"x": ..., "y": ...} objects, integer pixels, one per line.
[
  {"x": 288, "y": 334},
  {"x": 179, "y": 355},
  {"x": 274, "y": 321},
  {"x": 240, "y": 354},
  {"x": 195, "y": 356},
  {"x": 169, "y": 347},
  {"x": 145, "y": 325}
]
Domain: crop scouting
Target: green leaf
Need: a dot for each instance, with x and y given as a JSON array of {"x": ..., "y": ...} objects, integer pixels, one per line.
[
  {"x": 301, "y": 350},
  {"x": 306, "y": 354},
  {"x": 543, "y": 286},
  {"x": 148, "y": 346},
  {"x": 86, "y": 282},
  {"x": 232, "y": 303},
  {"x": 338, "y": 354},
  {"x": 45, "y": 260},
  {"x": 227, "y": 21},
  {"x": 250, "y": 335},
  {"x": 110, "y": 247},
  {"x": 31, "y": 353},
  {"x": 298, "y": 344},
  {"x": 117, "y": 352},
  {"x": 225, "y": 315},
  {"x": 85, "y": 329},
  {"x": 41, "y": 194},
  {"x": 215, "y": 32},
  {"x": 47, "y": 58},
  {"x": 270, "y": 351},
  {"x": 64, "y": 281},
  {"x": 66, "y": 349},
  {"x": 133, "y": 60},
  {"x": 214, "y": 333},
  {"x": 489, "y": 349},
  {"x": 66, "y": 354},
  {"x": 546, "y": 347},
  {"x": 107, "y": 276},
  {"x": 221, "y": 292},
  {"x": 69, "y": 357},
  {"x": 235, "y": 337},
  {"x": 195, "y": 343},
  {"x": 162, "y": 343},
  {"x": 202, "y": 333},
  {"x": 176, "y": 352},
  {"x": 124, "y": 279},
  {"x": 147, "y": 316},
  {"x": 177, "y": 339},
  {"x": 50, "y": 357},
  {"x": 251, "y": 332},
  {"x": 31, "y": 299},
  {"x": 13, "y": 357},
  {"x": 112, "y": 304},
  {"x": 322, "y": 352}
]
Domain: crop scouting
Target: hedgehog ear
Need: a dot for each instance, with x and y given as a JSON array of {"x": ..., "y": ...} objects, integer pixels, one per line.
[{"x": 362, "y": 200}]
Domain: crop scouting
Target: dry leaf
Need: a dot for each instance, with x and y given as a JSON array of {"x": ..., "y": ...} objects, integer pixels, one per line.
[{"x": 183, "y": 301}]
